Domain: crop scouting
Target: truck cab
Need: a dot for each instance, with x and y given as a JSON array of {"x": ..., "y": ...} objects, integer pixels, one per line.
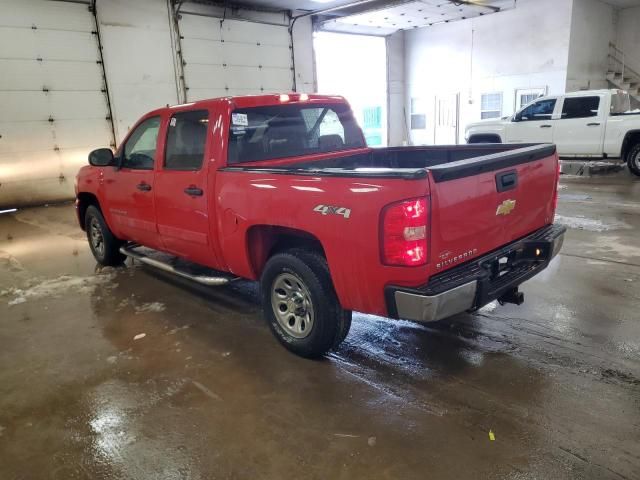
[{"x": 586, "y": 124}]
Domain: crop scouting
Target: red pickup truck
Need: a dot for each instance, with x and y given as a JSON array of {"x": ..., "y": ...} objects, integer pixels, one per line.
[{"x": 283, "y": 189}]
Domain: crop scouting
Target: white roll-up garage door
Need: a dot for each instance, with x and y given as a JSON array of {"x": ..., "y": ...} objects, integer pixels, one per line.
[
  {"x": 234, "y": 57},
  {"x": 53, "y": 108}
]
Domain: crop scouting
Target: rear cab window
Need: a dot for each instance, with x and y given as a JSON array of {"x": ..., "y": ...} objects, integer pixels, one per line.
[
  {"x": 279, "y": 131},
  {"x": 580, "y": 107}
]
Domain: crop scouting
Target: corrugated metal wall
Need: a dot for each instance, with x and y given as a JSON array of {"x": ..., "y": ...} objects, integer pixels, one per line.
[{"x": 53, "y": 103}]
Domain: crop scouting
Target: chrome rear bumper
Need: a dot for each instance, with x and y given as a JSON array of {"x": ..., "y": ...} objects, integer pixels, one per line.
[{"x": 477, "y": 282}]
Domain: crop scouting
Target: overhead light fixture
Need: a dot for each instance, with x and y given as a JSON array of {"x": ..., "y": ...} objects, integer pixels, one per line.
[
  {"x": 323, "y": 1},
  {"x": 10, "y": 210}
]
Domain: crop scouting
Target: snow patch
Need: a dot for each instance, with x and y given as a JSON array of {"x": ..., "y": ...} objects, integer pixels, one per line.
[
  {"x": 590, "y": 224},
  {"x": 57, "y": 286},
  {"x": 151, "y": 307}
]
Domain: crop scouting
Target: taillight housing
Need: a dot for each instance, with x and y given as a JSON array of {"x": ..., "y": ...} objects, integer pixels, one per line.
[{"x": 404, "y": 233}]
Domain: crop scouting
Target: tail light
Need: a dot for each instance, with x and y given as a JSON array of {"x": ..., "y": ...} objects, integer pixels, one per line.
[{"x": 404, "y": 233}]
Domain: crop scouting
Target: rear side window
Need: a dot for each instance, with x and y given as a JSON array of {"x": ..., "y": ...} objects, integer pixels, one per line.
[
  {"x": 580, "y": 107},
  {"x": 186, "y": 139},
  {"x": 278, "y": 131}
]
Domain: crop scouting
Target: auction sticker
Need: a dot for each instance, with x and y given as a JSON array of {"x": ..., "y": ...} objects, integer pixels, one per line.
[{"x": 240, "y": 119}]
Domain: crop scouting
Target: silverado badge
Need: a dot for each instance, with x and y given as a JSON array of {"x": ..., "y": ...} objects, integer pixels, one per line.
[{"x": 506, "y": 207}]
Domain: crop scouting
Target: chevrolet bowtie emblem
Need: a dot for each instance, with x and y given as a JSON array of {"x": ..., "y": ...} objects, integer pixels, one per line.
[{"x": 506, "y": 207}]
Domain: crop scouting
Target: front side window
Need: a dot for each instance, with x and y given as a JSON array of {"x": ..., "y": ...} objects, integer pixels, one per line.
[
  {"x": 279, "y": 131},
  {"x": 580, "y": 107},
  {"x": 140, "y": 150},
  {"x": 186, "y": 139},
  {"x": 491, "y": 105},
  {"x": 542, "y": 110}
]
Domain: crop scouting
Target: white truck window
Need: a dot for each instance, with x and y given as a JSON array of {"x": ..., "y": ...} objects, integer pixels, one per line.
[
  {"x": 542, "y": 110},
  {"x": 580, "y": 107}
]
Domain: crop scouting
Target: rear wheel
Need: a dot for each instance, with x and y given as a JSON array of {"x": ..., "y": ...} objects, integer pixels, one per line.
[
  {"x": 633, "y": 159},
  {"x": 300, "y": 303},
  {"x": 103, "y": 243}
]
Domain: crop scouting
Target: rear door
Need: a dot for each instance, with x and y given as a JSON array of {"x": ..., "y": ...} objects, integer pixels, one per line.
[
  {"x": 533, "y": 124},
  {"x": 129, "y": 190},
  {"x": 579, "y": 131},
  {"x": 182, "y": 189}
]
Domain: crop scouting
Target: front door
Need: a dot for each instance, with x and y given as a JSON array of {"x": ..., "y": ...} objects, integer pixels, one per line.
[
  {"x": 182, "y": 191},
  {"x": 446, "y": 121},
  {"x": 533, "y": 124},
  {"x": 580, "y": 129},
  {"x": 129, "y": 189}
]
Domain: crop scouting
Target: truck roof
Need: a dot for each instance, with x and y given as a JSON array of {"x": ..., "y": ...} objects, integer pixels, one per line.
[
  {"x": 581, "y": 93},
  {"x": 248, "y": 101}
]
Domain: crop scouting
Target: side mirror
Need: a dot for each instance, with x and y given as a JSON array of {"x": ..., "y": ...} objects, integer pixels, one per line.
[
  {"x": 516, "y": 117},
  {"x": 102, "y": 157}
]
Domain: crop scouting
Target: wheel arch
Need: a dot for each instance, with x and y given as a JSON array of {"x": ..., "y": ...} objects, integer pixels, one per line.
[
  {"x": 485, "y": 138},
  {"x": 83, "y": 201},
  {"x": 264, "y": 241},
  {"x": 631, "y": 138}
]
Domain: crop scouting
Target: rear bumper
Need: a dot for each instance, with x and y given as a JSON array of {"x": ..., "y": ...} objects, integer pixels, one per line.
[{"x": 478, "y": 282}]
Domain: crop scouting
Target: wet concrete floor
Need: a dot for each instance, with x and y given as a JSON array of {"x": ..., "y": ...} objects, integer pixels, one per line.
[{"x": 130, "y": 374}]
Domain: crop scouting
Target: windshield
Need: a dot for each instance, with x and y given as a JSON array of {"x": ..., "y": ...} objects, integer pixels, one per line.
[{"x": 278, "y": 131}]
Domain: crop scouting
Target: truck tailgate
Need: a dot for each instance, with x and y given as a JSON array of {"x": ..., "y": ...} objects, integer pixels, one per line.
[{"x": 480, "y": 204}]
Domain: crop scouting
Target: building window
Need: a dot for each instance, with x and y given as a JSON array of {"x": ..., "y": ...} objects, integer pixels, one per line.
[
  {"x": 525, "y": 96},
  {"x": 491, "y": 105},
  {"x": 418, "y": 114}
]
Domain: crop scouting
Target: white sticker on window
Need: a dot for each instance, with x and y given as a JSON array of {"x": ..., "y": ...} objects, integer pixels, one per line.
[
  {"x": 173, "y": 122},
  {"x": 240, "y": 119}
]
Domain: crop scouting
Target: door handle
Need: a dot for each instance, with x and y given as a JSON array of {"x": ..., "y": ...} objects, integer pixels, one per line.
[
  {"x": 506, "y": 180},
  {"x": 193, "y": 191},
  {"x": 144, "y": 187},
  {"x": 545, "y": 126},
  {"x": 594, "y": 124}
]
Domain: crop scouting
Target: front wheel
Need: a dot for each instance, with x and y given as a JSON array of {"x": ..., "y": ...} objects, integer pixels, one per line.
[
  {"x": 103, "y": 243},
  {"x": 633, "y": 159},
  {"x": 300, "y": 303}
]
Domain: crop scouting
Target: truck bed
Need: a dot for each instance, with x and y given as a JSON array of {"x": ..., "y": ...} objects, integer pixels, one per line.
[{"x": 444, "y": 162}]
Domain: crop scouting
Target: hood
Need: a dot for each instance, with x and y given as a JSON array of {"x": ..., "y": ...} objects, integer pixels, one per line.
[{"x": 490, "y": 122}]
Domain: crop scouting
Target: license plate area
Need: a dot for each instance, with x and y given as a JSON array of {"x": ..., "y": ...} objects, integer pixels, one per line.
[{"x": 523, "y": 255}]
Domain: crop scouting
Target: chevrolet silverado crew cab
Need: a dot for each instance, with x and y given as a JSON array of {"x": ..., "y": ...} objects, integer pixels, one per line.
[
  {"x": 585, "y": 124},
  {"x": 283, "y": 189}
]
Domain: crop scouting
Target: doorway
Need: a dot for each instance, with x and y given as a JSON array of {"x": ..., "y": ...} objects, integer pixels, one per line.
[
  {"x": 355, "y": 66},
  {"x": 447, "y": 111}
]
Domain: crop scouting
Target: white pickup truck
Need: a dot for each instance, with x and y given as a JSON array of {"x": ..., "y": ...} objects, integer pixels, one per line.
[{"x": 586, "y": 124}]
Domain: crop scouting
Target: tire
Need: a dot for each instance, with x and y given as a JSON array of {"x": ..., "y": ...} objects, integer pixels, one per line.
[
  {"x": 103, "y": 243},
  {"x": 633, "y": 159},
  {"x": 300, "y": 303}
]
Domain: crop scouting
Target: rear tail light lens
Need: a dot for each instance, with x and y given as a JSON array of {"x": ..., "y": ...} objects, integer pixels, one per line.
[{"x": 404, "y": 233}]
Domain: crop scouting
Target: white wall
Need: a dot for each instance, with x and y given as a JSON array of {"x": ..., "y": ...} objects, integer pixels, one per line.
[
  {"x": 628, "y": 36},
  {"x": 397, "y": 127},
  {"x": 592, "y": 29},
  {"x": 526, "y": 47}
]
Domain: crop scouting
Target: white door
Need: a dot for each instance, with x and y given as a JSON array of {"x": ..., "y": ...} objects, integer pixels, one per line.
[
  {"x": 53, "y": 108},
  {"x": 533, "y": 124},
  {"x": 234, "y": 57},
  {"x": 579, "y": 130},
  {"x": 446, "y": 119}
]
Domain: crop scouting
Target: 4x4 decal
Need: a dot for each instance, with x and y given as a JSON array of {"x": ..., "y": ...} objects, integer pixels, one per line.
[{"x": 329, "y": 209}]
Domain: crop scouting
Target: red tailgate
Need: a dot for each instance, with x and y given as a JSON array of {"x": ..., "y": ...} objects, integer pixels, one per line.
[{"x": 476, "y": 213}]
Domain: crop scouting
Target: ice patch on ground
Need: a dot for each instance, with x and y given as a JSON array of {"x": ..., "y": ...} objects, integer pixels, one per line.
[
  {"x": 590, "y": 224},
  {"x": 151, "y": 307},
  {"x": 54, "y": 287}
]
